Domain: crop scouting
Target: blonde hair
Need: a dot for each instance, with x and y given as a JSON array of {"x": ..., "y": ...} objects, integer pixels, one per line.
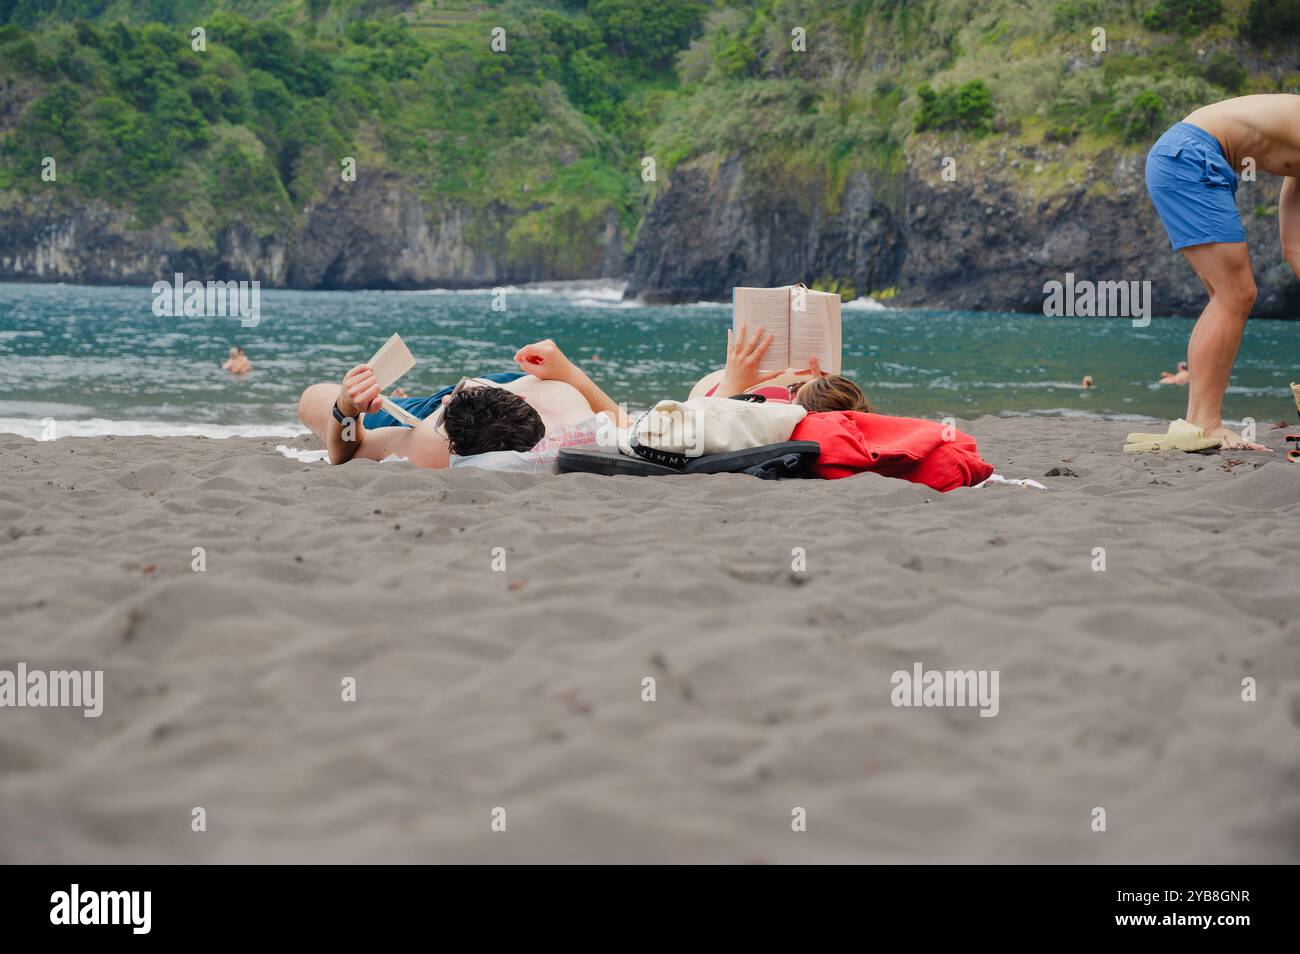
[{"x": 833, "y": 392}]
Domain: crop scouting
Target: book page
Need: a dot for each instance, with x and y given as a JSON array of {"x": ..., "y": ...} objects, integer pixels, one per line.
[
  {"x": 767, "y": 309},
  {"x": 401, "y": 413},
  {"x": 391, "y": 361},
  {"x": 815, "y": 332}
]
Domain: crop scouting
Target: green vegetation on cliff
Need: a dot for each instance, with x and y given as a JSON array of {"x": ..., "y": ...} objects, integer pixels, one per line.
[
  {"x": 551, "y": 131},
  {"x": 256, "y": 125}
]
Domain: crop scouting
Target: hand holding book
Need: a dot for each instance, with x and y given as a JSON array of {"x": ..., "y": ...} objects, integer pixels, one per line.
[
  {"x": 745, "y": 352},
  {"x": 803, "y": 325},
  {"x": 361, "y": 392}
]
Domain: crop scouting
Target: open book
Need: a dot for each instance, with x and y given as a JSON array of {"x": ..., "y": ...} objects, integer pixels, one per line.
[
  {"x": 391, "y": 361},
  {"x": 803, "y": 323}
]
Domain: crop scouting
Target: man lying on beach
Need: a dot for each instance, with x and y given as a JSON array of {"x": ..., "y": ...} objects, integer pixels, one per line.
[
  {"x": 1191, "y": 174},
  {"x": 512, "y": 410}
]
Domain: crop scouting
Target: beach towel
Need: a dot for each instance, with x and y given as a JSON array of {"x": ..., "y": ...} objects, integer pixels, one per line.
[
  {"x": 596, "y": 431},
  {"x": 924, "y": 452}
]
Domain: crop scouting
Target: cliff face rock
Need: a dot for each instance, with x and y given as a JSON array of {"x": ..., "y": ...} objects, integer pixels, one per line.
[
  {"x": 989, "y": 240},
  {"x": 713, "y": 227},
  {"x": 1012, "y": 220},
  {"x": 372, "y": 233}
]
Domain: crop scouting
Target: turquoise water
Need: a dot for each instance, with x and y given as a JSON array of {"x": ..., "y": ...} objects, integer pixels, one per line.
[{"x": 97, "y": 359}]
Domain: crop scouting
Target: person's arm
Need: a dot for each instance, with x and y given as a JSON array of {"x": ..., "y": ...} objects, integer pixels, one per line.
[
  {"x": 423, "y": 446},
  {"x": 1288, "y": 221},
  {"x": 545, "y": 360},
  {"x": 359, "y": 394}
]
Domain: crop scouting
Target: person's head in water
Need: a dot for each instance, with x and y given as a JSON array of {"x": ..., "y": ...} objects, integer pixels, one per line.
[
  {"x": 832, "y": 392},
  {"x": 1087, "y": 382},
  {"x": 482, "y": 419},
  {"x": 236, "y": 352}
]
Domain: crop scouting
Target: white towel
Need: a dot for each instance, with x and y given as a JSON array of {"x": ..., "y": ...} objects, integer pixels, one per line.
[
  {"x": 1017, "y": 482},
  {"x": 306, "y": 456}
]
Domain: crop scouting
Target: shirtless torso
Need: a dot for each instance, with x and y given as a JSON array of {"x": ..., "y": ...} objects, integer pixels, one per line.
[{"x": 1264, "y": 127}]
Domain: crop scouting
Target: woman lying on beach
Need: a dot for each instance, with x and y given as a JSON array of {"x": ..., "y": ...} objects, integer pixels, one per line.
[
  {"x": 818, "y": 392},
  {"x": 512, "y": 410},
  {"x": 853, "y": 438}
]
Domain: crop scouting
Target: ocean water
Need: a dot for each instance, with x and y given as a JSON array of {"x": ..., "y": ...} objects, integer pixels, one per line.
[{"x": 96, "y": 360}]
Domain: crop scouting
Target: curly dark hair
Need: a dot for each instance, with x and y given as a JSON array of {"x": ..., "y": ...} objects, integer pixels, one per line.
[{"x": 483, "y": 419}]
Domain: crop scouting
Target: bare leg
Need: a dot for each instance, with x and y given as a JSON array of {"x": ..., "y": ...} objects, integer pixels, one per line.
[{"x": 1224, "y": 267}]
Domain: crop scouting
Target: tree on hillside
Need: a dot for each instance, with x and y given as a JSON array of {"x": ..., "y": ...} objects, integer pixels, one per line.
[
  {"x": 650, "y": 33},
  {"x": 1184, "y": 16},
  {"x": 1272, "y": 21}
]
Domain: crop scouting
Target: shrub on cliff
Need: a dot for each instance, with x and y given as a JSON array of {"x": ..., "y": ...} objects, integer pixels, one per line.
[
  {"x": 968, "y": 107},
  {"x": 1140, "y": 117},
  {"x": 1222, "y": 69},
  {"x": 1069, "y": 14},
  {"x": 1272, "y": 21},
  {"x": 1184, "y": 16},
  {"x": 648, "y": 33}
]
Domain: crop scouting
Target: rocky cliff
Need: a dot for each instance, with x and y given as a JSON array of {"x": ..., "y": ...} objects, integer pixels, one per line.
[
  {"x": 1012, "y": 219},
  {"x": 372, "y": 233}
]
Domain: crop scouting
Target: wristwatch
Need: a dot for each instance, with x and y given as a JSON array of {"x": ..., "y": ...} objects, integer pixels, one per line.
[{"x": 340, "y": 416}]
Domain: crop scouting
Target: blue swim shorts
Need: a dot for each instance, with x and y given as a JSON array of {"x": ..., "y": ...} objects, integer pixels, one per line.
[
  {"x": 1193, "y": 188},
  {"x": 422, "y": 407}
]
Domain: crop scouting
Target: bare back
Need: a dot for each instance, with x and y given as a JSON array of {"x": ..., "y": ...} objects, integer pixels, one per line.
[{"x": 1264, "y": 127}]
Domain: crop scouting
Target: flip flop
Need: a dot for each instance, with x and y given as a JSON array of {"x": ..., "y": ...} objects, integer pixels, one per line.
[{"x": 1181, "y": 436}]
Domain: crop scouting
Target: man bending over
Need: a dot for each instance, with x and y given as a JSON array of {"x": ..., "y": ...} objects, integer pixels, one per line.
[
  {"x": 1191, "y": 173},
  {"x": 507, "y": 411}
]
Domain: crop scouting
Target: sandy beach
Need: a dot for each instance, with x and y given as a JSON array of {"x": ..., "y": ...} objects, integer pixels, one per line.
[{"x": 480, "y": 688}]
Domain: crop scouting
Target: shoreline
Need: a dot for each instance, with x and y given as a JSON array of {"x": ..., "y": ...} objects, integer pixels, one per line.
[
  {"x": 32, "y": 427},
  {"x": 560, "y": 286}
]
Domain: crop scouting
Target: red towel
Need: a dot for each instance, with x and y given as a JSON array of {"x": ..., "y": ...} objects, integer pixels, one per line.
[{"x": 924, "y": 452}]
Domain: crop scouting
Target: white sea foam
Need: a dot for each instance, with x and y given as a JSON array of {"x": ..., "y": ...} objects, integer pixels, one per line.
[
  {"x": 593, "y": 293},
  {"x": 594, "y": 289},
  {"x": 865, "y": 303},
  {"x": 590, "y": 302},
  {"x": 100, "y": 427},
  {"x": 1074, "y": 412}
]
